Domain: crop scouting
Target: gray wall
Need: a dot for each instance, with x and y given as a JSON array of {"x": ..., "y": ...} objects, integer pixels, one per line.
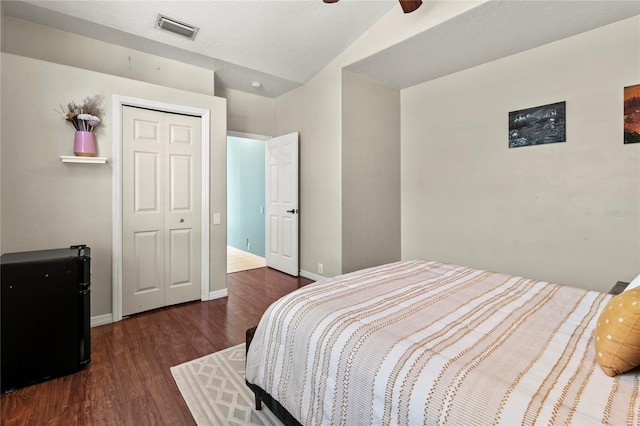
[
  {"x": 248, "y": 113},
  {"x": 370, "y": 173},
  {"x": 466, "y": 198},
  {"x": 47, "y": 203},
  {"x": 314, "y": 111},
  {"x": 564, "y": 212},
  {"x": 52, "y": 45}
]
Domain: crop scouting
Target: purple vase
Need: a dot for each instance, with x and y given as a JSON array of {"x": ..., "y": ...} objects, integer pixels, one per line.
[{"x": 83, "y": 144}]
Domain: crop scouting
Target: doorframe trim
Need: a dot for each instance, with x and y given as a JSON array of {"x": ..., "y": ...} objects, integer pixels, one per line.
[
  {"x": 245, "y": 135},
  {"x": 118, "y": 102}
]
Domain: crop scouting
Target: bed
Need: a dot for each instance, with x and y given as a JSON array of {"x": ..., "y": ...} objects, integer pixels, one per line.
[{"x": 423, "y": 342}]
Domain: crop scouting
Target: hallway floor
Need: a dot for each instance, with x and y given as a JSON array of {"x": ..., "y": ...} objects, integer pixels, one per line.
[{"x": 239, "y": 260}]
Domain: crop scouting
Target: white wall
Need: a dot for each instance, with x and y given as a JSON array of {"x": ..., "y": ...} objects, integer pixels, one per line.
[
  {"x": 47, "y": 203},
  {"x": 565, "y": 212}
]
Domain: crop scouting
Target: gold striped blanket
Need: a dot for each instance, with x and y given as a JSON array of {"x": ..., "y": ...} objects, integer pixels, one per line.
[{"x": 420, "y": 342}]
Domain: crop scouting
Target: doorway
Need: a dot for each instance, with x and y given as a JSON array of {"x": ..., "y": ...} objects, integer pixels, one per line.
[
  {"x": 280, "y": 214},
  {"x": 245, "y": 203}
]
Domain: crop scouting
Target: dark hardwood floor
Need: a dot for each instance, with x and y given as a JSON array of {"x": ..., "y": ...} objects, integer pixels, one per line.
[{"x": 128, "y": 381}]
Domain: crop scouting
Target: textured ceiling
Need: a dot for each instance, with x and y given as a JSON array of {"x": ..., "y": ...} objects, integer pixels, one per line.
[
  {"x": 491, "y": 30},
  {"x": 279, "y": 43},
  {"x": 284, "y": 43}
]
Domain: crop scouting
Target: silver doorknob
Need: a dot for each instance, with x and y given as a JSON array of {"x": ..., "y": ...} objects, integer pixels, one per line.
[{"x": 181, "y": 220}]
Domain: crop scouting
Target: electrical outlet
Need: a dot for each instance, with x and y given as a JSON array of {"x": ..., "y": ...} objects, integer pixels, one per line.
[
  {"x": 320, "y": 268},
  {"x": 216, "y": 218}
]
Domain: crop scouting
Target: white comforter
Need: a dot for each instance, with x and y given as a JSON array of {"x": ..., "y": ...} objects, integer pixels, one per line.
[{"x": 419, "y": 342}]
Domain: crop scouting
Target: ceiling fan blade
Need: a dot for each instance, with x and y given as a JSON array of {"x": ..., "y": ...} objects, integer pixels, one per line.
[{"x": 409, "y": 6}]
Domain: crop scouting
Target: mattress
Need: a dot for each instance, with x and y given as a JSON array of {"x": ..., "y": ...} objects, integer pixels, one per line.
[{"x": 423, "y": 342}]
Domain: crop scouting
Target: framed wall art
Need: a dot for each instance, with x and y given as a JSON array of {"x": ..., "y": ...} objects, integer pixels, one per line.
[
  {"x": 632, "y": 114},
  {"x": 538, "y": 125}
]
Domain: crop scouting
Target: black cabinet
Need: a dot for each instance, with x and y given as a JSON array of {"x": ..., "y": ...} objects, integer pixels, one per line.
[{"x": 45, "y": 315}]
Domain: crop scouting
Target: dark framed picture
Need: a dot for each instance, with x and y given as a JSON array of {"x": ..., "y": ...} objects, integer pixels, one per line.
[
  {"x": 538, "y": 125},
  {"x": 632, "y": 114}
]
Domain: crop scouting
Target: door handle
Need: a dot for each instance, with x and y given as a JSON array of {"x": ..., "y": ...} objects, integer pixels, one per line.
[
  {"x": 181, "y": 220},
  {"x": 293, "y": 211}
]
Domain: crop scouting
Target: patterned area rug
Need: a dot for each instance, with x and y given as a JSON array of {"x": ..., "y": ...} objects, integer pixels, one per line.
[{"x": 214, "y": 389}]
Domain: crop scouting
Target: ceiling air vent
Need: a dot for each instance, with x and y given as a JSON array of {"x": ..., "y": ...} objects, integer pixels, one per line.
[{"x": 176, "y": 27}]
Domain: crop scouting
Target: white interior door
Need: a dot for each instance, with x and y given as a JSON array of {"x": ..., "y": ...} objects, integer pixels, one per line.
[
  {"x": 281, "y": 193},
  {"x": 161, "y": 211}
]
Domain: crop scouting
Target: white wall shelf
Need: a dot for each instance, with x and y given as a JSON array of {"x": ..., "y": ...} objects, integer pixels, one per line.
[{"x": 87, "y": 160}]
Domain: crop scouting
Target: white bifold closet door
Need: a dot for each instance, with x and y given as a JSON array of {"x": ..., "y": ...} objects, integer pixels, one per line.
[{"x": 161, "y": 209}]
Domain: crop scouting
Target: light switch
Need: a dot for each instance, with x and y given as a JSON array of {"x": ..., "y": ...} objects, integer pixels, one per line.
[{"x": 216, "y": 218}]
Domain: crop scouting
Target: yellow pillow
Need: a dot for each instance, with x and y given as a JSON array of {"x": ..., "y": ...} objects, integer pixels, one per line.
[{"x": 617, "y": 337}]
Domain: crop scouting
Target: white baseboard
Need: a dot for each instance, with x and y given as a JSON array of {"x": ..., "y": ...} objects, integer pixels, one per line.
[
  {"x": 108, "y": 318},
  {"x": 101, "y": 320},
  {"x": 218, "y": 294},
  {"x": 311, "y": 276}
]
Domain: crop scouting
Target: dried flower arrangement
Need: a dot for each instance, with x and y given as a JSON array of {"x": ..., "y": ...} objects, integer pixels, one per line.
[{"x": 86, "y": 116}]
